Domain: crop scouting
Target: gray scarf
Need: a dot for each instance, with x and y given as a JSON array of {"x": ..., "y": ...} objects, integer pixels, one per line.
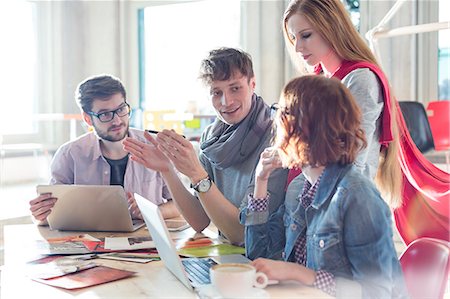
[{"x": 226, "y": 145}]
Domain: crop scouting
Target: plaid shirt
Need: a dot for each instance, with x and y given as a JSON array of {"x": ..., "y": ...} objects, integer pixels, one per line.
[{"x": 324, "y": 280}]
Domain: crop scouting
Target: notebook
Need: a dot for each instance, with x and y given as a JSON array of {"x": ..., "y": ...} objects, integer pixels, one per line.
[
  {"x": 89, "y": 208},
  {"x": 189, "y": 271}
]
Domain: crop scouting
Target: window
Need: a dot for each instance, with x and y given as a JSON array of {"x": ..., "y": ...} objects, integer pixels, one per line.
[
  {"x": 444, "y": 52},
  {"x": 18, "y": 71},
  {"x": 171, "y": 52},
  {"x": 353, "y": 8}
]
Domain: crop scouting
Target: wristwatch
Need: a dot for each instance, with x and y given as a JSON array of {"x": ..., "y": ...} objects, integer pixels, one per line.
[{"x": 203, "y": 185}]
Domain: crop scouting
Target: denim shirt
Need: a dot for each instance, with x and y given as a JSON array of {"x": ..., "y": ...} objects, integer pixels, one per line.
[{"x": 348, "y": 230}]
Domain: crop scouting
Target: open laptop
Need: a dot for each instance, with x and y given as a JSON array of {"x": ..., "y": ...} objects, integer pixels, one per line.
[
  {"x": 192, "y": 272},
  {"x": 89, "y": 208}
]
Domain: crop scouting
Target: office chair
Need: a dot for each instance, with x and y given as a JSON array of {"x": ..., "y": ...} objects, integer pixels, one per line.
[
  {"x": 426, "y": 264},
  {"x": 439, "y": 119},
  {"x": 417, "y": 122}
]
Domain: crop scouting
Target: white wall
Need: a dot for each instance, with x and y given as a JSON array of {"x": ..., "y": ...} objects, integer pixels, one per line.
[{"x": 410, "y": 62}]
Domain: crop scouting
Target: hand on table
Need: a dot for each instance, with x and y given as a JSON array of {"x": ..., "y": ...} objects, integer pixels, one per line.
[
  {"x": 281, "y": 270},
  {"x": 275, "y": 270}
]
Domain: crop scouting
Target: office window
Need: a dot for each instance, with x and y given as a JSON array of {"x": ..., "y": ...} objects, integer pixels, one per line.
[
  {"x": 353, "y": 8},
  {"x": 444, "y": 52},
  {"x": 171, "y": 49},
  {"x": 18, "y": 67}
]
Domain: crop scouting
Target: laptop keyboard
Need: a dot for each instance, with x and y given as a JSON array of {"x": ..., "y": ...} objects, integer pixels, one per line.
[{"x": 198, "y": 269}]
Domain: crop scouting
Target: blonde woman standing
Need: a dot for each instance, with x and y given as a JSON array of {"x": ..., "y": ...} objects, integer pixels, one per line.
[{"x": 322, "y": 40}]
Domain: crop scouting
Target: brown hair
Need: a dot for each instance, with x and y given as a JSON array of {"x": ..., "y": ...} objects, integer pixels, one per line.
[
  {"x": 221, "y": 64},
  {"x": 330, "y": 19},
  {"x": 319, "y": 123},
  {"x": 100, "y": 87}
]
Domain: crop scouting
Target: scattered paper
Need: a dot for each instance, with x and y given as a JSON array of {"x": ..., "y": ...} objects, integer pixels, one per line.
[
  {"x": 213, "y": 250},
  {"x": 57, "y": 268},
  {"x": 86, "y": 278},
  {"x": 65, "y": 245},
  {"x": 131, "y": 257},
  {"x": 82, "y": 237},
  {"x": 124, "y": 243}
]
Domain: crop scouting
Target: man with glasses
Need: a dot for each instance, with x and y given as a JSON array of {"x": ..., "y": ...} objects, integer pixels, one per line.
[{"x": 98, "y": 157}]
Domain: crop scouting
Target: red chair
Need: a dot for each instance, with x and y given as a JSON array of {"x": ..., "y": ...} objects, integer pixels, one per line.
[
  {"x": 426, "y": 265},
  {"x": 439, "y": 118}
]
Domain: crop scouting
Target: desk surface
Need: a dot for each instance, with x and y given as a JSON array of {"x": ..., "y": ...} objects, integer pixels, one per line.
[{"x": 152, "y": 280}]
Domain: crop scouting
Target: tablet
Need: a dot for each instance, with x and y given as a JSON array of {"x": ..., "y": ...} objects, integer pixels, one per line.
[{"x": 89, "y": 208}]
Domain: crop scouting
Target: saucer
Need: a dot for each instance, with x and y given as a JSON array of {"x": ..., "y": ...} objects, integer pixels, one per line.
[{"x": 209, "y": 292}]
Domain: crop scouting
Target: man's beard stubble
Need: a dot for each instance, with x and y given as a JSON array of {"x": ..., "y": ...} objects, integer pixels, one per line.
[{"x": 104, "y": 135}]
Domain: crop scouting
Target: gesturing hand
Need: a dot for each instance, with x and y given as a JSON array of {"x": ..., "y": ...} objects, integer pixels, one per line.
[
  {"x": 147, "y": 154},
  {"x": 182, "y": 154},
  {"x": 269, "y": 160}
]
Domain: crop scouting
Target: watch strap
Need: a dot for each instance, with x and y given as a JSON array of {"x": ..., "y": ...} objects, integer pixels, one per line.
[{"x": 196, "y": 186}]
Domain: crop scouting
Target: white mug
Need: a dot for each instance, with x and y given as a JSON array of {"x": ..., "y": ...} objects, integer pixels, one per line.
[{"x": 236, "y": 280}]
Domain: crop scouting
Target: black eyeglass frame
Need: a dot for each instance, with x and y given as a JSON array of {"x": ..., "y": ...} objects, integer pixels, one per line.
[
  {"x": 275, "y": 107},
  {"x": 113, "y": 112}
]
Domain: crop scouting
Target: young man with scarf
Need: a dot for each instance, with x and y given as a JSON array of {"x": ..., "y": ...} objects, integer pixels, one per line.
[{"x": 223, "y": 174}]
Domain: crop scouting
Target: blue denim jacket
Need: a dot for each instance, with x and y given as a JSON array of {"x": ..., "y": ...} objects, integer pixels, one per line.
[{"x": 348, "y": 231}]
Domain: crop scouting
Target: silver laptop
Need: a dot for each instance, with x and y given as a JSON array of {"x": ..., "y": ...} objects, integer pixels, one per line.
[
  {"x": 89, "y": 208},
  {"x": 190, "y": 271}
]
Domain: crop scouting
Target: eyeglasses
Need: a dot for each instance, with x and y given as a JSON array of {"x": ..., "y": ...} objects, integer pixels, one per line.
[
  {"x": 107, "y": 116},
  {"x": 283, "y": 110}
]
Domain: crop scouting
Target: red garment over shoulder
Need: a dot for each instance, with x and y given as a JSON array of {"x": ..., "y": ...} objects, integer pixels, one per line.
[{"x": 426, "y": 188}]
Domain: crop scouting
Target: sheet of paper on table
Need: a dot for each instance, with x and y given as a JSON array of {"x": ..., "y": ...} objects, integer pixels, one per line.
[
  {"x": 128, "y": 243},
  {"x": 131, "y": 256},
  {"x": 64, "y": 245},
  {"x": 86, "y": 278}
]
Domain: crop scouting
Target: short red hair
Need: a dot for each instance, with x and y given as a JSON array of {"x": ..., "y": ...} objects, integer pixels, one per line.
[{"x": 319, "y": 123}]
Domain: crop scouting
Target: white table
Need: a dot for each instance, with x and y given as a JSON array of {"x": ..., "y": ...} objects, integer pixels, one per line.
[{"x": 152, "y": 280}]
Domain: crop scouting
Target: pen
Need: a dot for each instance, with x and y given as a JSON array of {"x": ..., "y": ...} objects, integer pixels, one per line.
[
  {"x": 156, "y": 132},
  {"x": 84, "y": 256},
  {"x": 85, "y": 267}
]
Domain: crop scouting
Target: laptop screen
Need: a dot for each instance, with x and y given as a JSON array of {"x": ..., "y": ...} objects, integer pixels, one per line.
[
  {"x": 89, "y": 208},
  {"x": 163, "y": 242}
]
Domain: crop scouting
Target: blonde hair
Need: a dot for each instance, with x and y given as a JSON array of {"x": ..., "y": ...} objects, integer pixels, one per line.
[{"x": 330, "y": 19}]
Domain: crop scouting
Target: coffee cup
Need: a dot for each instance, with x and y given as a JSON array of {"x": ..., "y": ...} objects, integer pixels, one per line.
[{"x": 236, "y": 280}]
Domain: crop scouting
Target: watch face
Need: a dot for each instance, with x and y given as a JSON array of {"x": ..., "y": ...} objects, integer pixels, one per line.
[{"x": 204, "y": 185}]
